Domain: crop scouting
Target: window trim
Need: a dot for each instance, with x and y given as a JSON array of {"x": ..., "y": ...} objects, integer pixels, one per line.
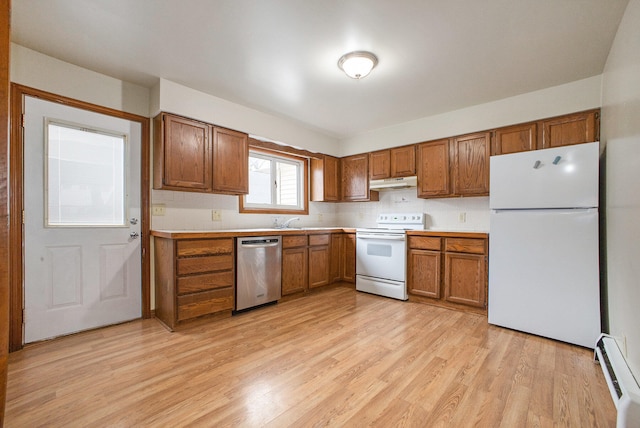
[{"x": 305, "y": 186}]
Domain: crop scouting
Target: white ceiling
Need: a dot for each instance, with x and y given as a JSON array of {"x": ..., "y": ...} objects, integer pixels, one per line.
[{"x": 280, "y": 56}]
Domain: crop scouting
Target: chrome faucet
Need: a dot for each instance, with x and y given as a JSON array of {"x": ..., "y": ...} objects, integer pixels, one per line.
[{"x": 287, "y": 223}]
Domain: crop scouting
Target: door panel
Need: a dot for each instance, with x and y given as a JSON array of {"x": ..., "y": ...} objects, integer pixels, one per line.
[{"x": 78, "y": 277}]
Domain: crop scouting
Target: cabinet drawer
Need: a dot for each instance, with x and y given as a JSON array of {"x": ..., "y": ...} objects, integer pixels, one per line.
[
  {"x": 294, "y": 241},
  {"x": 425, "y": 242},
  {"x": 204, "y": 264},
  {"x": 207, "y": 281},
  {"x": 319, "y": 239},
  {"x": 206, "y": 302},
  {"x": 465, "y": 245},
  {"x": 204, "y": 247}
]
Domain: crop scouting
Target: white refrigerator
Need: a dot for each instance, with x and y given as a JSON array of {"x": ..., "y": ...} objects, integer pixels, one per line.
[{"x": 543, "y": 243}]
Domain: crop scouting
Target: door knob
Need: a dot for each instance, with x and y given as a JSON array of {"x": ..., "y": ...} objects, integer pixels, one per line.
[
  {"x": 133, "y": 221},
  {"x": 134, "y": 235}
]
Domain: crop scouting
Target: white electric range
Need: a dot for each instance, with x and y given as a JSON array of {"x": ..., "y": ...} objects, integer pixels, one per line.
[{"x": 381, "y": 254}]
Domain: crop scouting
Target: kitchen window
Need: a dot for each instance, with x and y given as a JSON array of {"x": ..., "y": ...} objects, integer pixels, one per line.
[{"x": 277, "y": 184}]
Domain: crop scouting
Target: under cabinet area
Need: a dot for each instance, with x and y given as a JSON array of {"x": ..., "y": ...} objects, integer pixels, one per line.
[
  {"x": 195, "y": 156},
  {"x": 448, "y": 269},
  {"x": 193, "y": 277}
]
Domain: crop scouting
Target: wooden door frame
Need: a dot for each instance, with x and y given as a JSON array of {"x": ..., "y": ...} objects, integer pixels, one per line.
[
  {"x": 5, "y": 23},
  {"x": 16, "y": 199}
]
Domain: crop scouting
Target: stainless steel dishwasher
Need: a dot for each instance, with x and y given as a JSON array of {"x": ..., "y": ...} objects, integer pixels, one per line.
[{"x": 258, "y": 271}]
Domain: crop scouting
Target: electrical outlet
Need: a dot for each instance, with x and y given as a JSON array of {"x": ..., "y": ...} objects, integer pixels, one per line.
[
  {"x": 158, "y": 209},
  {"x": 462, "y": 217},
  {"x": 216, "y": 215},
  {"x": 319, "y": 217}
]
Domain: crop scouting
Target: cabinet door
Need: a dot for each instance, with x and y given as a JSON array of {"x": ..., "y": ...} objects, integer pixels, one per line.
[
  {"x": 349, "y": 257},
  {"x": 403, "y": 161},
  {"x": 335, "y": 257},
  {"x": 380, "y": 164},
  {"x": 471, "y": 164},
  {"x": 294, "y": 270},
  {"x": 424, "y": 273},
  {"x": 186, "y": 154},
  {"x": 465, "y": 279},
  {"x": 433, "y": 169},
  {"x": 514, "y": 139},
  {"x": 325, "y": 179},
  {"x": 355, "y": 178},
  {"x": 230, "y": 161},
  {"x": 319, "y": 261},
  {"x": 571, "y": 129}
]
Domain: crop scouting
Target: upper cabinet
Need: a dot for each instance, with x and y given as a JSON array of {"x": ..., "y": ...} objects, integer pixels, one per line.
[
  {"x": 570, "y": 129},
  {"x": 454, "y": 167},
  {"x": 433, "y": 169},
  {"x": 403, "y": 161},
  {"x": 325, "y": 179},
  {"x": 513, "y": 139},
  {"x": 380, "y": 164},
  {"x": 392, "y": 163},
  {"x": 355, "y": 178},
  {"x": 198, "y": 157},
  {"x": 230, "y": 161},
  {"x": 182, "y": 154},
  {"x": 470, "y": 168}
]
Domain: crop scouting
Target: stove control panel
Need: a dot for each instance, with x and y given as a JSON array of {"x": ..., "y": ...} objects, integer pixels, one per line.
[{"x": 404, "y": 220}]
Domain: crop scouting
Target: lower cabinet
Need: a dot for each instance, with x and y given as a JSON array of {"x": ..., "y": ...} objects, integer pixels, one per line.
[
  {"x": 448, "y": 270},
  {"x": 349, "y": 257},
  {"x": 193, "y": 277},
  {"x": 315, "y": 260},
  {"x": 295, "y": 264},
  {"x": 319, "y": 260}
]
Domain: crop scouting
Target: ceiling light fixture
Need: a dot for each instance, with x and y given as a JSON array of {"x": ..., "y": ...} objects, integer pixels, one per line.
[{"x": 357, "y": 64}]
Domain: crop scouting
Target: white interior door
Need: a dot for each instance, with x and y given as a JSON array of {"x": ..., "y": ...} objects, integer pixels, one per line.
[{"x": 82, "y": 205}]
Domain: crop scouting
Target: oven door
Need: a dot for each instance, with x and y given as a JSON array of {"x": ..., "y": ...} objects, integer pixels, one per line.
[{"x": 381, "y": 255}]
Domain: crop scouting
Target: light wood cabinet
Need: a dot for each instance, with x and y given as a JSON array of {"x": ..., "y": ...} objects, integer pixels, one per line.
[
  {"x": 295, "y": 264},
  {"x": 403, "y": 161},
  {"x": 319, "y": 260},
  {"x": 392, "y": 163},
  {"x": 182, "y": 154},
  {"x": 336, "y": 257},
  {"x": 198, "y": 157},
  {"x": 380, "y": 164},
  {"x": 355, "y": 179},
  {"x": 349, "y": 257},
  {"x": 465, "y": 269},
  {"x": 230, "y": 162},
  {"x": 570, "y": 129},
  {"x": 470, "y": 166},
  {"x": 325, "y": 179},
  {"x": 424, "y": 265},
  {"x": 514, "y": 139},
  {"x": 433, "y": 169},
  {"x": 193, "y": 277},
  {"x": 448, "y": 270}
]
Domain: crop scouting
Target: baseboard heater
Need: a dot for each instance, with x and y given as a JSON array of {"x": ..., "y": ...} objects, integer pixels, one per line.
[{"x": 622, "y": 385}]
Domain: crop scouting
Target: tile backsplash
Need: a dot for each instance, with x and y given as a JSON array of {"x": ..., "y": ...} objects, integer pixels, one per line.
[{"x": 193, "y": 211}]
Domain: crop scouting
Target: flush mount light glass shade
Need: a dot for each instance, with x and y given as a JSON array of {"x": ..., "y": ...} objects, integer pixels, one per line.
[{"x": 357, "y": 64}]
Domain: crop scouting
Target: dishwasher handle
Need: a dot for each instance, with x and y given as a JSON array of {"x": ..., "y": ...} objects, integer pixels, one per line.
[{"x": 259, "y": 243}]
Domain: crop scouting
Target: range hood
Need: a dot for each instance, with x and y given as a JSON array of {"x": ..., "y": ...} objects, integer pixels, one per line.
[{"x": 393, "y": 183}]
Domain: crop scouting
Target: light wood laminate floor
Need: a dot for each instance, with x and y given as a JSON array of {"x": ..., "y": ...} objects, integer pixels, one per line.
[{"x": 334, "y": 358}]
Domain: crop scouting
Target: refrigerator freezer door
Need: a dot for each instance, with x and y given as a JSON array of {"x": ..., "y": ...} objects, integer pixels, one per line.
[
  {"x": 563, "y": 177},
  {"x": 544, "y": 273}
]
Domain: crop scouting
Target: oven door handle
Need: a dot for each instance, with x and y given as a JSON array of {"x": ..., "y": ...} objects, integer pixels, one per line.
[{"x": 381, "y": 237}]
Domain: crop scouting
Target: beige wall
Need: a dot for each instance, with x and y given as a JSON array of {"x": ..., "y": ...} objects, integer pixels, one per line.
[
  {"x": 33, "y": 69},
  {"x": 621, "y": 133},
  {"x": 568, "y": 98}
]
